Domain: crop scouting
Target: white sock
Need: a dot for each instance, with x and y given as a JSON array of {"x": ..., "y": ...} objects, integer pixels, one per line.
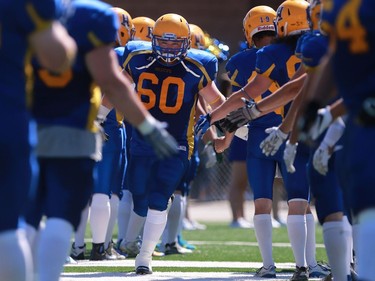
[
  {"x": 114, "y": 203},
  {"x": 56, "y": 235},
  {"x": 174, "y": 216},
  {"x": 15, "y": 256},
  {"x": 366, "y": 245},
  {"x": 135, "y": 226},
  {"x": 348, "y": 234},
  {"x": 79, "y": 236},
  {"x": 310, "y": 241},
  {"x": 263, "y": 232},
  {"x": 183, "y": 214},
  {"x": 124, "y": 210},
  {"x": 296, "y": 225},
  {"x": 355, "y": 244},
  {"x": 336, "y": 248},
  {"x": 99, "y": 217},
  {"x": 154, "y": 226}
]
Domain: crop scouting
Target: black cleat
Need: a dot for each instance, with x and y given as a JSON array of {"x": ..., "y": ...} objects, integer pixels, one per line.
[{"x": 143, "y": 270}]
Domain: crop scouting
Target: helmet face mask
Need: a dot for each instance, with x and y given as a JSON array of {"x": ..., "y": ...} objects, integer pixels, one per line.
[
  {"x": 291, "y": 18},
  {"x": 314, "y": 14},
  {"x": 170, "y": 39}
]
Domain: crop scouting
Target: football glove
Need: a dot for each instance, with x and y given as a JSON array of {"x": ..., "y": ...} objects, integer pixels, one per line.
[
  {"x": 289, "y": 156},
  {"x": 241, "y": 116},
  {"x": 163, "y": 143},
  {"x": 203, "y": 124},
  {"x": 321, "y": 158},
  {"x": 271, "y": 144},
  {"x": 322, "y": 122}
]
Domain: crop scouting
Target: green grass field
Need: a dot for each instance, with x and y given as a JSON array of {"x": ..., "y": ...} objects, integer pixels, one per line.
[{"x": 220, "y": 243}]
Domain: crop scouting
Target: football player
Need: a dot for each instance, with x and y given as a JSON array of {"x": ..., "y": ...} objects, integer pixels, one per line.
[
  {"x": 277, "y": 63},
  {"x": 168, "y": 78},
  {"x": 348, "y": 67},
  {"x": 25, "y": 26},
  {"x": 65, "y": 107},
  {"x": 143, "y": 28}
]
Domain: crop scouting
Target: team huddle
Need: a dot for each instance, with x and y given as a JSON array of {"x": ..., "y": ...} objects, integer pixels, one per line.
[{"x": 109, "y": 110}]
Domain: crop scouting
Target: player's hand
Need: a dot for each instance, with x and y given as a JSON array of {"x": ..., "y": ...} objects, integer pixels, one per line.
[
  {"x": 289, "y": 156},
  {"x": 209, "y": 155},
  {"x": 321, "y": 158},
  {"x": 163, "y": 143},
  {"x": 241, "y": 116},
  {"x": 203, "y": 124},
  {"x": 322, "y": 122},
  {"x": 271, "y": 144}
]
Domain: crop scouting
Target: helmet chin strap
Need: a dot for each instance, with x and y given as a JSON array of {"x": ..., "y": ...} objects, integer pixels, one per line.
[{"x": 286, "y": 29}]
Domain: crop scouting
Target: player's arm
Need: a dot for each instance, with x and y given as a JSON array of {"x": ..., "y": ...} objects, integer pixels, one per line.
[
  {"x": 257, "y": 86},
  {"x": 53, "y": 47}
]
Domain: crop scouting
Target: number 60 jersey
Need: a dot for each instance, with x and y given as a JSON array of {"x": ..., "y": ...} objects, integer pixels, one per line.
[{"x": 168, "y": 92}]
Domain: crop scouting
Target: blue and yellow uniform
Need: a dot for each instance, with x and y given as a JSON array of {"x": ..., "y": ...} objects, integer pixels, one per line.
[
  {"x": 65, "y": 107},
  {"x": 278, "y": 62},
  {"x": 170, "y": 95},
  {"x": 241, "y": 70},
  {"x": 111, "y": 169},
  {"x": 325, "y": 189},
  {"x": 18, "y": 20},
  {"x": 352, "y": 32}
]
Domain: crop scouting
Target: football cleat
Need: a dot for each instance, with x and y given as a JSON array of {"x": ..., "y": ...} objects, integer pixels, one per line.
[
  {"x": 143, "y": 270},
  {"x": 97, "y": 252},
  {"x": 263, "y": 272},
  {"x": 131, "y": 249},
  {"x": 78, "y": 253},
  {"x": 300, "y": 274},
  {"x": 112, "y": 254},
  {"x": 319, "y": 271},
  {"x": 174, "y": 248}
]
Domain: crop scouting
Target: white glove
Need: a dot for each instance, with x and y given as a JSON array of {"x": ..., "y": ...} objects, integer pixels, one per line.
[
  {"x": 210, "y": 155},
  {"x": 322, "y": 121},
  {"x": 289, "y": 156},
  {"x": 321, "y": 158},
  {"x": 271, "y": 144},
  {"x": 155, "y": 133}
]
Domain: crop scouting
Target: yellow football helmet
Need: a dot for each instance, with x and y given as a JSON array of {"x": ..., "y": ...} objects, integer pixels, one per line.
[
  {"x": 259, "y": 18},
  {"x": 197, "y": 37},
  {"x": 171, "y": 38},
  {"x": 126, "y": 29},
  {"x": 143, "y": 28},
  {"x": 314, "y": 14},
  {"x": 291, "y": 18}
]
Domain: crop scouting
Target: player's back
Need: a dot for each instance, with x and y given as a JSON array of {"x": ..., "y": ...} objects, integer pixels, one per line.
[
  {"x": 278, "y": 62},
  {"x": 241, "y": 70},
  {"x": 170, "y": 92},
  {"x": 354, "y": 57},
  {"x": 71, "y": 99},
  {"x": 17, "y": 23}
]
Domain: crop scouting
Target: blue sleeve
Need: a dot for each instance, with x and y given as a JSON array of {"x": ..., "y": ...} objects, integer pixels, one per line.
[
  {"x": 313, "y": 50},
  {"x": 120, "y": 55},
  {"x": 93, "y": 26},
  {"x": 35, "y": 15},
  {"x": 231, "y": 69},
  {"x": 264, "y": 63}
]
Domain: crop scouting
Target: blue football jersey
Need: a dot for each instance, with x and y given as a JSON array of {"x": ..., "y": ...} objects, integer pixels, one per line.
[
  {"x": 277, "y": 62},
  {"x": 75, "y": 99},
  {"x": 241, "y": 69},
  {"x": 169, "y": 93},
  {"x": 18, "y": 19},
  {"x": 313, "y": 49},
  {"x": 351, "y": 28}
]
